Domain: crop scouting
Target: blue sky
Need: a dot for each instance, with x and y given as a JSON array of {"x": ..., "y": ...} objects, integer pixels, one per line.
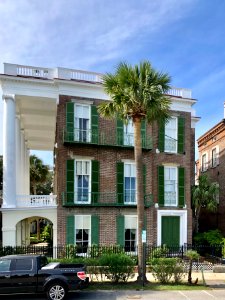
[{"x": 182, "y": 37}]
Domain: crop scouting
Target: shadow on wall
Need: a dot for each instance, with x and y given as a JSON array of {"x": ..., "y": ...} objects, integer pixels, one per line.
[{"x": 216, "y": 220}]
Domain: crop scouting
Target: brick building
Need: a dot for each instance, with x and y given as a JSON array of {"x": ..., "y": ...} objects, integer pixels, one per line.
[
  {"x": 56, "y": 109},
  {"x": 211, "y": 149}
]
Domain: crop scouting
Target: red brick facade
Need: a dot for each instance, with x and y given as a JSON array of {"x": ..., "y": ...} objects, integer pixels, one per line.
[
  {"x": 213, "y": 139},
  {"x": 107, "y": 157}
]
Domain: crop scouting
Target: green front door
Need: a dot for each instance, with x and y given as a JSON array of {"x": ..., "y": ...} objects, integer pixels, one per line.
[{"x": 170, "y": 231}]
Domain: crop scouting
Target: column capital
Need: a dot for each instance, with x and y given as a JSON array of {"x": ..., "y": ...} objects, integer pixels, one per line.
[{"x": 8, "y": 97}]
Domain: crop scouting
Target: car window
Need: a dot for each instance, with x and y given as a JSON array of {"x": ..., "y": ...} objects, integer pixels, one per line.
[
  {"x": 43, "y": 261},
  {"x": 24, "y": 264},
  {"x": 5, "y": 265}
]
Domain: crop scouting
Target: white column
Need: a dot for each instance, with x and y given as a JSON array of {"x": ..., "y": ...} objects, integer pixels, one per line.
[
  {"x": 18, "y": 157},
  {"x": 28, "y": 172},
  {"x": 22, "y": 160},
  {"x": 9, "y": 152}
]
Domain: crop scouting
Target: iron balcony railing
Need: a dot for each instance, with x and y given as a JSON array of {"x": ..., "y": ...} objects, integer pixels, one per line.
[
  {"x": 103, "y": 199},
  {"x": 102, "y": 139}
]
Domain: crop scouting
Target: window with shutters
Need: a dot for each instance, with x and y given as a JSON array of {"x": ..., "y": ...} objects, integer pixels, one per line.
[
  {"x": 170, "y": 186},
  {"x": 215, "y": 157},
  {"x": 82, "y": 181},
  {"x": 204, "y": 163},
  {"x": 171, "y": 135},
  {"x": 130, "y": 228},
  {"x": 82, "y": 232},
  {"x": 82, "y": 123},
  {"x": 129, "y": 183},
  {"x": 129, "y": 134}
]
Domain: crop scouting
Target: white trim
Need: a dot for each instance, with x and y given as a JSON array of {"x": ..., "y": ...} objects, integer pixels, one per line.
[
  {"x": 82, "y": 102},
  {"x": 176, "y": 186},
  {"x": 81, "y": 215},
  {"x": 206, "y": 161},
  {"x": 176, "y": 139},
  {"x": 183, "y": 224},
  {"x": 170, "y": 165},
  {"x": 89, "y": 183}
]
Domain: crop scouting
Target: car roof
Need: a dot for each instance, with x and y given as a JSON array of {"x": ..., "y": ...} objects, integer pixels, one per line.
[{"x": 18, "y": 256}]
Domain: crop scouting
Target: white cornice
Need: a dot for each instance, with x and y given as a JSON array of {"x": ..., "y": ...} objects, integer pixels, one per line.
[{"x": 52, "y": 88}]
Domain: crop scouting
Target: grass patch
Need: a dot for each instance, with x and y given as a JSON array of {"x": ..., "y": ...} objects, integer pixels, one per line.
[{"x": 148, "y": 286}]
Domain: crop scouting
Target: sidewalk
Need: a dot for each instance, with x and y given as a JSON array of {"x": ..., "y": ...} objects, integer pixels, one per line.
[{"x": 214, "y": 280}]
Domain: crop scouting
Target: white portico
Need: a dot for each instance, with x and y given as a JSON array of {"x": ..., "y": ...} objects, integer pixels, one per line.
[{"x": 29, "y": 121}]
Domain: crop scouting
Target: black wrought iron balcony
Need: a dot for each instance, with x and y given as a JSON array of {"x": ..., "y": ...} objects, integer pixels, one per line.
[
  {"x": 110, "y": 199},
  {"x": 102, "y": 139}
]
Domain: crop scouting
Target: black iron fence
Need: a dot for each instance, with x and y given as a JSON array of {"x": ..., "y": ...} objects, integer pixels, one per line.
[{"x": 212, "y": 254}]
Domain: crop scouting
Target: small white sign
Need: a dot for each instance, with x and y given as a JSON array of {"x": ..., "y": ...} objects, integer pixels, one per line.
[{"x": 143, "y": 236}]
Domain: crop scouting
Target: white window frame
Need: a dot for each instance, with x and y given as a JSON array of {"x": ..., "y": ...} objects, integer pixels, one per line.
[
  {"x": 204, "y": 166},
  {"x": 175, "y": 183},
  {"x": 135, "y": 200},
  {"x": 183, "y": 224},
  {"x": 89, "y": 235},
  {"x": 77, "y": 130},
  {"x": 128, "y": 136},
  {"x": 75, "y": 182},
  {"x": 216, "y": 149},
  {"x": 128, "y": 219},
  {"x": 169, "y": 139}
]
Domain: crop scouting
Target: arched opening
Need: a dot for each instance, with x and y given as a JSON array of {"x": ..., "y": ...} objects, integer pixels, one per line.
[{"x": 35, "y": 230}]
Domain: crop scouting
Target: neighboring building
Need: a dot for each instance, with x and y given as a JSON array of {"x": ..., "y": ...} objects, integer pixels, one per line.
[
  {"x": 95, "y": 184},
  {"x": 211, "y": 149}
]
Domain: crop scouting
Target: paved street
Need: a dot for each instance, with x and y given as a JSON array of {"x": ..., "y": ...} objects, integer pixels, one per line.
[{"x": 132, "y": 295}]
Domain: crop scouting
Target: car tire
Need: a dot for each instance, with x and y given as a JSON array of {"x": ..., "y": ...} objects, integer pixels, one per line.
[{"x": 56, "y": 291}]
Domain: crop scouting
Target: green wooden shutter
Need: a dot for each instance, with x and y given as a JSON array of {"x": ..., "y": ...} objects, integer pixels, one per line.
[
  {"x": 94, "y": 181},
  {"x": 94, "y": 124},
  {"x": 120, "y": 181},
  {"x": 120, "y": 231},
  {"x": 69, "y": 181},
  {"x": 70, "y": 230},
  {"x": 143, "y": 133},
  {"x": 119, "y": 132},
  {"x": 161, "y": 185},
  {"x": 181, "y": 183},
  {"x": 95, "y": 230},
  {"x": 161, "y": 142},
  {"x": 180, "y": 134},
  {"x": 69, "y": 122}
]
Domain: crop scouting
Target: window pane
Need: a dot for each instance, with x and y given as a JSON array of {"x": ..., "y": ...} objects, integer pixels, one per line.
[
  {"x": 170, "y": 186},
  {"x": 171, "y": 135}
]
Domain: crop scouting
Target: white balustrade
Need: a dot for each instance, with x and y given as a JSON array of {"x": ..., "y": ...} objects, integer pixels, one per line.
[
  {"x": 68, "y": 74},
  {"x": 180, "y": 92},
  {"x": 36, "y": 200}
]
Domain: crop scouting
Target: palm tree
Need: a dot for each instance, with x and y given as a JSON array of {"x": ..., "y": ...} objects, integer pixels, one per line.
[
  {"x": 38, "y": 173},
  {"x": 137, "y": 93},
  {"x": 204, "y": 196}
]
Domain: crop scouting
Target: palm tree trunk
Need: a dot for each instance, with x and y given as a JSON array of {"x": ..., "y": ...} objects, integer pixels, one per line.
[{"x": 140, "y": 197}]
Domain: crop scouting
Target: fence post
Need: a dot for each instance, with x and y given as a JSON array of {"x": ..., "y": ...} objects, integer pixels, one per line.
[{"x": 182, "y": 252}]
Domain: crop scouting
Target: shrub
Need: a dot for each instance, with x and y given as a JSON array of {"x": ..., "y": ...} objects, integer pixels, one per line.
[
  {"x": 159, "y": 252},
  {"x": 117, "y": 266},
  {"x": 213, "y": 237},
  {"x": 163, "y": 269}
]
